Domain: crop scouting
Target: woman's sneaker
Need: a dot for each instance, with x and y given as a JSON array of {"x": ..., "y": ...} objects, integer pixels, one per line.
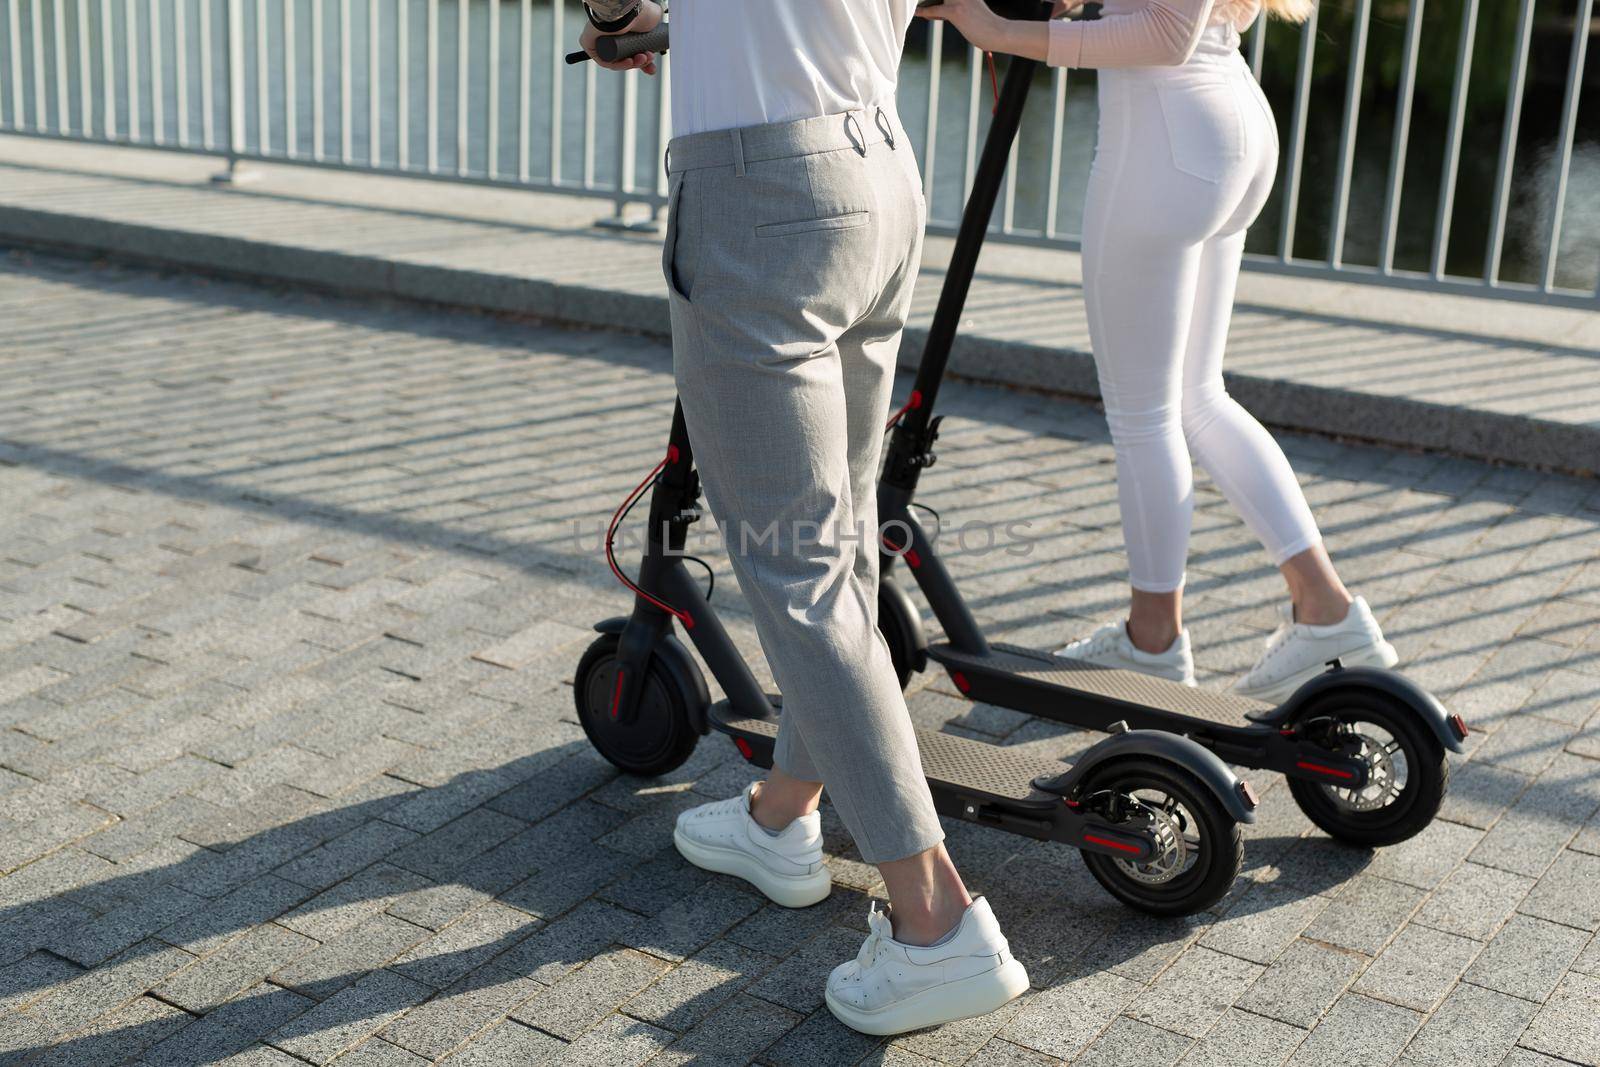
[
  {"x": 1297, "y": 652},
  {"x": 1109, "y": 646},
  {"x": 724, "y": 837},
  {"x": 891, "y": 987}
]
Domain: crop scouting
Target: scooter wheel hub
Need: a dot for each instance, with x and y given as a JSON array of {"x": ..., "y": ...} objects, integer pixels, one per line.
[{"x": 1172, "y": 851}]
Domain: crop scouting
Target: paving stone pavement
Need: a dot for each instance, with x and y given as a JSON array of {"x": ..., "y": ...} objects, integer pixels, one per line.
[{"x": 291, "y": 590}]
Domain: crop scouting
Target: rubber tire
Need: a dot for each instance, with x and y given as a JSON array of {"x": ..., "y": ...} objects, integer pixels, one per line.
[
  {"x": 902, "y": 645},
  {"x": 664, "y": 734},
  {"x": 1427, "y": 765},
  {"x": 1210, "y": 879}
]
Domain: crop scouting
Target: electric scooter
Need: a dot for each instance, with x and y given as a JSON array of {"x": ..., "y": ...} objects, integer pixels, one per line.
[
  {"x": 1155, "y": 815},
  {"x": 1363, "y": 749}
]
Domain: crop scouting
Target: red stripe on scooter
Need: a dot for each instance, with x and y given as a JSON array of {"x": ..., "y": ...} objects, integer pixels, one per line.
[
  {"x": 1108, "y": 843},
  {"x": 616, "y": 695},
  {"x": 961, "y": 681},
  {"x": 744, "y": 748},
  {"x": 912, "y": 559},
  {"x": 1317, "y": 768}
]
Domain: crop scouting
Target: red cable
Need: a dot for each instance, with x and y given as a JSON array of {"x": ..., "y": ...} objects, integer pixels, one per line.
[
  {"x": 910, "y": 405},
  {"x": 611, "y": 534},
  {"x": 994, "y": 82}
]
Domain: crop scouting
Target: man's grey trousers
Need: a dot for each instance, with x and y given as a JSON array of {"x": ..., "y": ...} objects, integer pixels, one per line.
[{"x": 791, "y": 252}]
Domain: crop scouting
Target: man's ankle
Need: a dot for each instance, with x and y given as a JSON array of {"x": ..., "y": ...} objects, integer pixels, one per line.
[
  {"x": 922, "y": 928},
  {"x": 768, "y": 815}
]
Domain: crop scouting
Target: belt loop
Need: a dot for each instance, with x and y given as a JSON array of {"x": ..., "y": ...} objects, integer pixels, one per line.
[
  {"x": 886, "y": 128},
  {"x": 738, "y": 152},
  {"x": 852, "y": 130}
]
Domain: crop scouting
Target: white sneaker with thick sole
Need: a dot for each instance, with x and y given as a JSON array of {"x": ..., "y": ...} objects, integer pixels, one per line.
[
  {"x": 1297, "y": 652},
  {"x": 891, "y": 987},
  {"x": 1109, "y": 646},
  {"x": 724, "y": 837}
]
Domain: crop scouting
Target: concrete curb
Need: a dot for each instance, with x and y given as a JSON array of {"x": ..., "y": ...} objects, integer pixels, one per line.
[{"x": 1385, "y": 420}]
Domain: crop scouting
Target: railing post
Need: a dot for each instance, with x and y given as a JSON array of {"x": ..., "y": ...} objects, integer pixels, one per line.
[
  {"x": 233, "y": 34},
  {"x": 627, "y": 162},
  {"x": 1568, "y": 134},
  {"x": 1508, "y": 146},
  {"x": 663, "y": 132}
]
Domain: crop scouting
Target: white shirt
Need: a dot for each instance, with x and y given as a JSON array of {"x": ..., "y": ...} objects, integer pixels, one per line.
[{"x": 748, "y": 62}]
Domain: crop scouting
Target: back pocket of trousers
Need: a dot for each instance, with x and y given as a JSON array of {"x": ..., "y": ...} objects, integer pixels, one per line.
[
  {"x": 835, "y": 194},
  {"x": 847, "y": 221},
  {"x": 1205, "y": 127}
]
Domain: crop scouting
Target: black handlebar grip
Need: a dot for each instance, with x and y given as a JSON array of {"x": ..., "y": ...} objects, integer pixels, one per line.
[{"x": 623, "y": 45}]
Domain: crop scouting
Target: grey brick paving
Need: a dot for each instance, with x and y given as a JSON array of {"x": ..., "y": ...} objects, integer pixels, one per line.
[
  {"x": 1527, "y": 958},
  {"x": 1358, "y": 1031},
  {"x": 476, "y": 1002},
  {"x": 1418, "y": 967},
  {"x": 1302, "y": 983},
  {"x": 1242, "y": 1037},
  {"x": 289, "y": 601},
  {"x": 1473, "y": 1026}
]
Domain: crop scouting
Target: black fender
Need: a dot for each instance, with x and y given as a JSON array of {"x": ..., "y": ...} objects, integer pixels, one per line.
[
  {"x": 1231, "y": 791},
  {"x": 893, "y": 597},
  {"x": 677, "y": 661},
  {"x": 1450, "y": 729}
]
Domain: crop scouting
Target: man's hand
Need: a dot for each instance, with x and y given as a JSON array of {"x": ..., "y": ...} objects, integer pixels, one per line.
[
  {"x": 1063, "y": 8},
  {"x": 649, "y": 18},
  {"x": 974, "y": 18}
]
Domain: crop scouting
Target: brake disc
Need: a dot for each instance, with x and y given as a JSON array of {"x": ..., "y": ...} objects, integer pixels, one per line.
[
  {"x": 1172, "y": 850},
  {"x": 1383, "y": 783}
]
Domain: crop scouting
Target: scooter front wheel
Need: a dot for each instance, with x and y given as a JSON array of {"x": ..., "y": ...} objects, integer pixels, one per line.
[
  {"x": 1407, "y": 769},
  {"x": 1200, "y": 849},
  {"x": 657, "y": 736},
  {"x": 902, "y": 632}
]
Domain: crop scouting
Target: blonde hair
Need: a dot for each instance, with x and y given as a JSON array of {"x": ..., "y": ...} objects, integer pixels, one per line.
[{"x": 1289, "y": 10}]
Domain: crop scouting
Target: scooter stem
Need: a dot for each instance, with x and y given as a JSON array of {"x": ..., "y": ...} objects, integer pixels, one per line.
[{"x": 911, "y": 439}]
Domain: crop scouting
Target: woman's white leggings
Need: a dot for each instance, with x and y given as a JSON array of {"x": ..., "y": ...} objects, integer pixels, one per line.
[{"x": 1186, "y": 158}]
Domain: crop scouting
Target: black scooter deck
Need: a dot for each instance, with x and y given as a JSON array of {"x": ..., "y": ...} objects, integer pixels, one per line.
[
  {"x": 983, "y": 772},
  {"x": 1138, "y": 698}
]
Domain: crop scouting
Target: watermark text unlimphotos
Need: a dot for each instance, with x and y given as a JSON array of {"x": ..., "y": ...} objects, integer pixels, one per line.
[{"x": 803, "y": 537}]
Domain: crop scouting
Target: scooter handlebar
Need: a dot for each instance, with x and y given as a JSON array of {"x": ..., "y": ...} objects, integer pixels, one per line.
[{"x": 622, "y": 45}]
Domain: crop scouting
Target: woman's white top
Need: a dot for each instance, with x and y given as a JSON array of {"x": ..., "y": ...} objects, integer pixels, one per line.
[
  {"x": 1144, "y": 33},
  {"x": 742, "y": 63}
]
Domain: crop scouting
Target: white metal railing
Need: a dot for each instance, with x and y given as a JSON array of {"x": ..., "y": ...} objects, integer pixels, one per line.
[{"x": 477, "y": 91}]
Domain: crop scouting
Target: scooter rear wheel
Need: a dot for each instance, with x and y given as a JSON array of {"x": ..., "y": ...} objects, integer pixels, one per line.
[
  {"x": 1407, "y": 765},
  {"x": 659, "y": 737},
  {"x": 1203, "y": 852}
]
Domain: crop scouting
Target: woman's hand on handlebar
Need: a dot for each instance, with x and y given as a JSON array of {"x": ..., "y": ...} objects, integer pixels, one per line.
[
  {"x": 649, "y": 18},
  {"x": 990, "y": 32},
  {"x": 974, "y": 18}
]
